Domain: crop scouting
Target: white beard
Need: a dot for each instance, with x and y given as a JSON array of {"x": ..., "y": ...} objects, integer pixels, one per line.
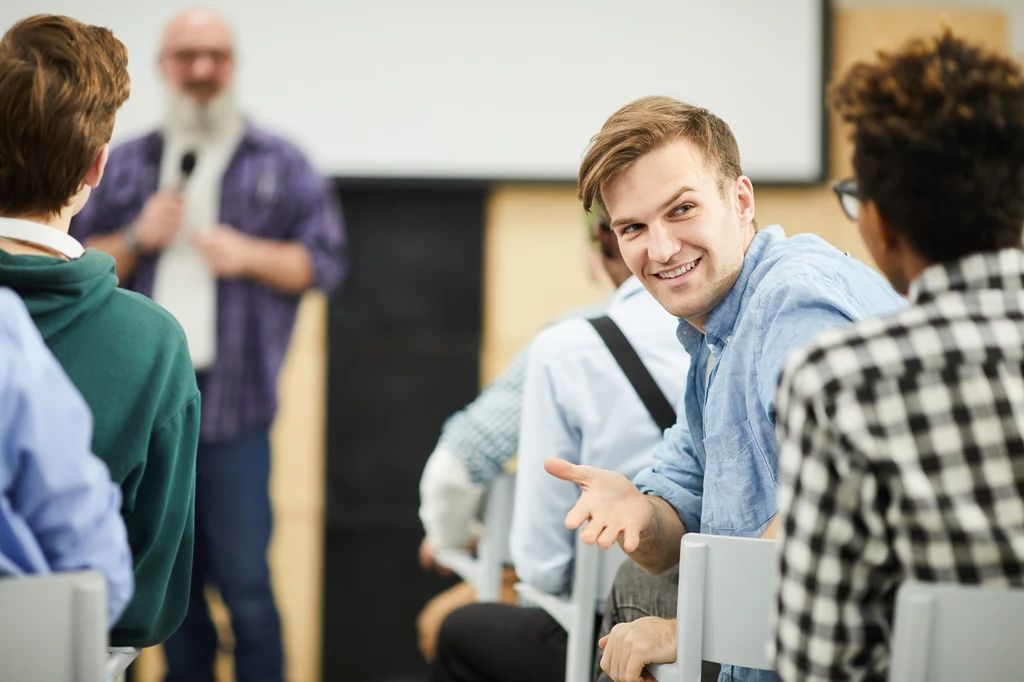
[{"x": 183, "y": 117}]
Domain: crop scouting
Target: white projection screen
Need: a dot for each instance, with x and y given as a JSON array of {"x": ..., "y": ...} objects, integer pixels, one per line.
[{"x": 478, "y": 89}]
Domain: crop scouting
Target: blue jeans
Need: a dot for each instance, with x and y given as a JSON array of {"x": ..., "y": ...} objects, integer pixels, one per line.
[{"x": 233, "y": 522}]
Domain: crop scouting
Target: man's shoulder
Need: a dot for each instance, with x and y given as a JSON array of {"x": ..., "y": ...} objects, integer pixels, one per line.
[
  {"x": 273, "y": 143},
  {"x": 806, "y": 268},
  {"x": 145, "y": 145},
  {"x": 848, "y": 357},
  {"x": 563, "y": 339},
  {"x": 155, "y": 349},
  {"x": 149, "y": 321},
  {"x": 18, "y": 338},
  {"x": 14, "y": 318},
  {"x": 807, "y": 258}
]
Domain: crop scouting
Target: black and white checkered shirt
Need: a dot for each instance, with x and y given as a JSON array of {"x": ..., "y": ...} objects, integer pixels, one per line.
[{"x": 901, "y": 457}]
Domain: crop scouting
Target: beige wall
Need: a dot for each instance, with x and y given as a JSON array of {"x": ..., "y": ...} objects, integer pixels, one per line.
[{"x": 534, "y": 270}]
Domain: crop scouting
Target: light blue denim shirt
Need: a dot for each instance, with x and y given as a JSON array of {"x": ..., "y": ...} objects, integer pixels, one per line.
[
  {"x": 719, "y": 468},
  {"x": 59, "y": 510}
]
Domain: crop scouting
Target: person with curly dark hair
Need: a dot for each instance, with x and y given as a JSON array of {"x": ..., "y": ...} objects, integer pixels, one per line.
[{"x": 902, "y": 438}]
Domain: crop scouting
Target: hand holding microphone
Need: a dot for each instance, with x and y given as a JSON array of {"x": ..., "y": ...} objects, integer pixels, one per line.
[{"x": 162, "y": 215}]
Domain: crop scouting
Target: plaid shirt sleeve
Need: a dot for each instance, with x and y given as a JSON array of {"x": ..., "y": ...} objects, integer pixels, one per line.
[
  {"x": 832, "y": 619},
  {"x": 485, "y": 433},
  {"x": 316, "y": 222}
]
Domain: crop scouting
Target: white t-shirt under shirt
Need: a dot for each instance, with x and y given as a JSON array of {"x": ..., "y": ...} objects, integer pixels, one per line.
[{"x": 184, "y": 284}]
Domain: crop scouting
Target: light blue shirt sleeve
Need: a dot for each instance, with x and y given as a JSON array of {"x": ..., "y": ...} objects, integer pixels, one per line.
[
  {"x": 59, "y": 510},
  {"x": 795, "y": 312},
  {"x": 542, "y": 548},
  {"x": 677, "y": 475}
]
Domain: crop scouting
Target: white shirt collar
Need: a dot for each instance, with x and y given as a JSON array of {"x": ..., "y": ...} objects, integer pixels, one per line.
[
  {"x": 37, "y": 234},
  {"x": 625, "y": 290}
]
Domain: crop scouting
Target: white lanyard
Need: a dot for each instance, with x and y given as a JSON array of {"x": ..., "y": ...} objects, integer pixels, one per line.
[{"x": 42, "y": 236}]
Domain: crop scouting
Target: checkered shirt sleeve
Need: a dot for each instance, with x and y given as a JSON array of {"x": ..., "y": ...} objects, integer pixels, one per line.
[
  {"x": 901, "y": 458},
  {"x": 485, "y": 433}
]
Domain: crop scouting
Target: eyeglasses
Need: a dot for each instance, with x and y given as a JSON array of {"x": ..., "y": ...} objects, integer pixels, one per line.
[
  {"x": 849, "y": 196},
  {"x": 185, "y": 57}
]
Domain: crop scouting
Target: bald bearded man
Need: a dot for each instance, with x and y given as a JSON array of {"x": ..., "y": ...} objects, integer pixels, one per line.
[{"x": 224, "y": 225}]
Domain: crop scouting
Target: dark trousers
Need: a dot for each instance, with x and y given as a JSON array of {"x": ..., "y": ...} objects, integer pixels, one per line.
[
  {"x": 233, "y": 523},
  {"x": 499, "y": 643}
]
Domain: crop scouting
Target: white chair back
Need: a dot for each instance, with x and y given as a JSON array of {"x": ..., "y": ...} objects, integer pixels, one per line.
[
  {"x": 118, "y": 660},
  {"x": 593, "y": 574},
  {"x": 55, "y": 627},
  {"x": 947, "y": 633},
  {"x": 726, "y": 596},
  {"x": 484, "y": 570}
]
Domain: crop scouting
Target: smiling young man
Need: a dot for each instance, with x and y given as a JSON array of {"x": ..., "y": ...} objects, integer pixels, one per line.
[{"x": 669, "y": 175}]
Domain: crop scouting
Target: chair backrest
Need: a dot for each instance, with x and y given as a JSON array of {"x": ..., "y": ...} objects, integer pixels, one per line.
[
  {"x": 946, "y": 632},
  {"x": 118, "y": 660},
  {"x": 726, "y": 595},
  {"x": 54, "y": 627},
  {"x": 484, "y": 570},
  {"x": 593, "y": 573}
]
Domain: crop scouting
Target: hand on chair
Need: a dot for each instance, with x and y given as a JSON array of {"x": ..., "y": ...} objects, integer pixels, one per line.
[
  {"x": 427, "y": 559},
  {"x": 616, "y": 510},
  {"x": 629, "y": 647}
]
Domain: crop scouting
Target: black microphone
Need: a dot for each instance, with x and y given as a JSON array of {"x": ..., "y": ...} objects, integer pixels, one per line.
[{"x": 188, "y": 164}]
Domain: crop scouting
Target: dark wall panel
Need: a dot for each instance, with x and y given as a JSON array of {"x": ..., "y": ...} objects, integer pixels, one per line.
[{"x": 403, "y": 342}]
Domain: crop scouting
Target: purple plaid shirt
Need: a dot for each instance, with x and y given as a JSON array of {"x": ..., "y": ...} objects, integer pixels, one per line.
[{"x": 269, "y": 191}]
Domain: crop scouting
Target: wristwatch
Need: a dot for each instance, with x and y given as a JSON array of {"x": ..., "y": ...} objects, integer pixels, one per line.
[{"x": 131, "y": 238}]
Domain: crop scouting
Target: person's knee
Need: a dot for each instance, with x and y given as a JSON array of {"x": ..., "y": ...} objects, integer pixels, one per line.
[
  {"x": 636, "y": 593},
  {"x": 433, "y": 615},
  {"x": 454, "y": 629},
  {"x": 629, "y": 577}
]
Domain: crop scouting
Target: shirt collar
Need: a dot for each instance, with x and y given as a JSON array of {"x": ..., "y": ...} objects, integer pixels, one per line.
[
  {"x": 722, "y": 320},
  {"x": 626, "y": 289},
  {"x": 990, "y": 270},
  {"x": 38, "y": 234}
]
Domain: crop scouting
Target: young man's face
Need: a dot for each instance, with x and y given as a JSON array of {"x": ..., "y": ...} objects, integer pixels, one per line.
[{"x": 677, "y": 232}]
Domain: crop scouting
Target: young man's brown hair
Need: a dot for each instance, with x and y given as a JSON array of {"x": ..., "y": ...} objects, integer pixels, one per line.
[
  {"x": 62, "y": 83},
  {"x": 645, "y": 125}
]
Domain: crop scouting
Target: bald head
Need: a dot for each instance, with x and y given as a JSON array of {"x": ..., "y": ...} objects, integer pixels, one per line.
[{"x": 197, "y": 54}]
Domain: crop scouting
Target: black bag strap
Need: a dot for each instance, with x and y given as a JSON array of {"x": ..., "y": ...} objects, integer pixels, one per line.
[{"x": 633, "y": 367}]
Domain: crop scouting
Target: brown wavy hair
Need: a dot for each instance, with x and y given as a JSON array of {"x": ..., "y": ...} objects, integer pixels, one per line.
[
  {"x": 62, "y": 83},
  {"x": 645, "y": 125}
]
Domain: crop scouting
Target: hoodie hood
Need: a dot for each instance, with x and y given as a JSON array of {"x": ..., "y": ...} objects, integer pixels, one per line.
[{"x": 59, "y": 293}]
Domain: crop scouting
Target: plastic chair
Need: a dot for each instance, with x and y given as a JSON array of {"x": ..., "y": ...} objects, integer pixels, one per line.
[
  {"x": 118, "y": 660},
  {"x": 593, "y": 574},
  {"x": 55, "y": 627},
  {"x": 484, "y": 570},
  {"x": 947, "y": 633},
  {"x": 726, "y": 595}
]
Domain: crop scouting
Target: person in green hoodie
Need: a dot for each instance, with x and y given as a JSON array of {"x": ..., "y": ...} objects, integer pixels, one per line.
[{"x": 63, "y": 82}]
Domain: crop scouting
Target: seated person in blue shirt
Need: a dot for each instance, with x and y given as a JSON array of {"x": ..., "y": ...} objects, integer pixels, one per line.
[
  {"x": 59, "y": 510},
  {"x": 577, "y": 405},
  {"x": 669, "y": 175}
]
